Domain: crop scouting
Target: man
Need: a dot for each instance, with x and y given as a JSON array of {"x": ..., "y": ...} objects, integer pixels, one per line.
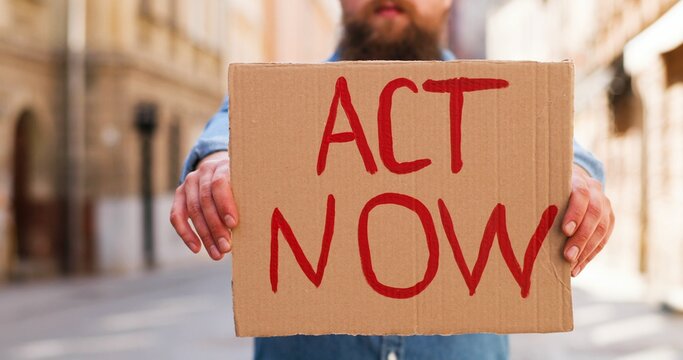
[{"x": 374, "y": 30}]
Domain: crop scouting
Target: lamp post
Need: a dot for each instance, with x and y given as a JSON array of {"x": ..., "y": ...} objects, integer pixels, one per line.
[{"x": 146, "y": 124}]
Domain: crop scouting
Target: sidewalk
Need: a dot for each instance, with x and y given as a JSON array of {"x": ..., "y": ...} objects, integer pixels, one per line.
[
  {"x": 607, "y": 330},
  {"x": 180, "y": 313},
  {"x": 185, "y": 312}
]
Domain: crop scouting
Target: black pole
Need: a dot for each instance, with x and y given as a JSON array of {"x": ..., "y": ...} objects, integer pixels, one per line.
[{"x": 146, "y": 122}]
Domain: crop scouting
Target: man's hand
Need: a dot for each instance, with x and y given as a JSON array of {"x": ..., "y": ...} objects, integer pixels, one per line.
[
  {"x": 206, "y": 198},
  {"x": 588, "y": 222}
]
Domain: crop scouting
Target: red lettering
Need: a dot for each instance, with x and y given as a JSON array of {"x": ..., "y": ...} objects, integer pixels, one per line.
[
  {"x": 456, "y": 87},
  {"x": 431, "y": 238},
  {"x": 278, "y": 223},
  {"x": 341, "y": 95},
  {"x": 497, "y": 226},
  {"x": 386, "y": 140}
]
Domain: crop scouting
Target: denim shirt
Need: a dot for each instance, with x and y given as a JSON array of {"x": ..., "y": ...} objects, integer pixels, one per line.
[{"x": 468, "y": 346}]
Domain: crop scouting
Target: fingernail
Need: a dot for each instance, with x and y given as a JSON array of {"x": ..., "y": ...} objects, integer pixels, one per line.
[
  {"x": 230, "y": 221},
  {"x": 576, "y": 271},
  {"x": 570, "y": 227},
  {"x": 213, "y": 251},
  {"x": 572, "y": 253},
  {"x": 224, "y": 245},
  {"x": 194, "y": 247}
]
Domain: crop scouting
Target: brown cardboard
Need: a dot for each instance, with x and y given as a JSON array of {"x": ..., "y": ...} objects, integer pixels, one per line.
[{"x": 516, "y": 150}]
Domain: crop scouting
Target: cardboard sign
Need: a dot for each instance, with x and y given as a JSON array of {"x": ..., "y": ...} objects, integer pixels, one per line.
[{"x": 401, "y": 197}]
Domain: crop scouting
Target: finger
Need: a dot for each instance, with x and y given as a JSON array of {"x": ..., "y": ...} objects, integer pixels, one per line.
[
  {"x": 578, "y": 203},
  {"x": 218, "y": 229},
  {"x": 223, "y": 197},
  {"x": 195, "y": 210},
  {"x": 601, "y": 230},
  {"x": 179, "y": 221},
  {"x": 586, "y": 228},
  {"x": 582, "y": 264},
  {"x": 576, "y": 210},
  {"x": 595, "y": 243}
]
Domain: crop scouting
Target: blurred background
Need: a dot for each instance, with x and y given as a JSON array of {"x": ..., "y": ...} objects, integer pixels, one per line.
[{"x": 100, "y": 101}]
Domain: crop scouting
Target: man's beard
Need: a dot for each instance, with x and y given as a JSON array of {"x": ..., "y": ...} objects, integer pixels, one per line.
[{"x": 360, "y": 42}]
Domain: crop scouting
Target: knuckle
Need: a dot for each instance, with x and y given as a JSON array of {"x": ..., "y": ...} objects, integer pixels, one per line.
[
  {"x": 587, "y": 249},
  {"x": 214, "y": 225},
  {"x": 581, "y": 237},
  {"x": 601, "y": 229},
  {"x": 173, "y": 217},
  {"x": 204, "y": 194},
  {"x": 582, "y": 189},
  {"x": 218, "y": 181},
  {"x": 594, "y": 210},
  {"x": 191, "y": 177},
  {"x": 194, "y": 209},
  {"x": 206, "y": 166}
]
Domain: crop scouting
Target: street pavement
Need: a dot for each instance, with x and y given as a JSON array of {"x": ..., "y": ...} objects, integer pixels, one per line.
[{"x": 186, "y": 313}]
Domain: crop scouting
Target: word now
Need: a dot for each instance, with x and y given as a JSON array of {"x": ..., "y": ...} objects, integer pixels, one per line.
[
  {"x": 456, "y": 87},
  {"x": 495, "y": 227}
]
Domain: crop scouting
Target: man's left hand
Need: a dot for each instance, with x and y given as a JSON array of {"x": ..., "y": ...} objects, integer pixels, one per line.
[{"x": 588, "y": 222}]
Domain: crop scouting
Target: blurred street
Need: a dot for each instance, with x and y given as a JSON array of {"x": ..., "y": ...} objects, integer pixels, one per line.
[
  {"x": 183, "y": 313},
  {"x": 186, "y": 312}
]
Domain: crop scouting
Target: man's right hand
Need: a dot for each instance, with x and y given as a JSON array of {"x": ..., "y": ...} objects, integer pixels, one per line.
[{"x": 206, "y": 198}]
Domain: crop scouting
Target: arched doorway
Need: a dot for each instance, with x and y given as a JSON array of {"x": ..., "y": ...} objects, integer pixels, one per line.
[
  {"x": 34, "y": 209},
  {"x": 20, "y": 189}
]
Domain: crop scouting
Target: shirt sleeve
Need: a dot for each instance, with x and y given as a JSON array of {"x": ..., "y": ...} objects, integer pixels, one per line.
[
  {"x": 214, "y": 138},
  {"x": 588, "y": 162}
]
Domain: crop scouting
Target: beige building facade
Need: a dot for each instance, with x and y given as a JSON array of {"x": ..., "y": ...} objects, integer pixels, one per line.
[
  {"x": 100, "y": 101},
  {"x": 628, "y": 112},
  {"x": 137, "y": 54}
]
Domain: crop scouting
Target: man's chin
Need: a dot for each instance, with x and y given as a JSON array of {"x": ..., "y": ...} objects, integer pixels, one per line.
[
  {"x": 389, "y": 30},
  {"x": 395, "y": 38}
]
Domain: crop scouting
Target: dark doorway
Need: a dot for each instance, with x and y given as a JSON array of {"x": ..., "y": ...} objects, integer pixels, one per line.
[
  {"x": 36, "y": 247},
  {"x": 20, "y": 191}
]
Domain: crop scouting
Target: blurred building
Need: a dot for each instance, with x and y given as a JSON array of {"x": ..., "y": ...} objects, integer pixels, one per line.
[
  {"x": 100, "y": 101},
  {"x": 629, "y": 111},
  {"x": 301, "y": 30},
  {"x": 467, "y": 27}
]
